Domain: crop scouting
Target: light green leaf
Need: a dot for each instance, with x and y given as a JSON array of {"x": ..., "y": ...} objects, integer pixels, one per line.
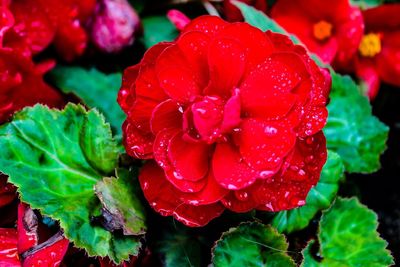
[
  {"x": 319, "y": 198},
  {"x": 55, "y": 158},
  {"x": 96, "y": 89},
  {"x": 180, "y": 248},
  {"x": 251, "y": 244},
  {"x": 158, "y": 29},
  {"x": 348, "y": 236},
  {"x": 365, "y": 4},
  {"x": 352, "y": 131},
  {"x": 121, "y": 207}
]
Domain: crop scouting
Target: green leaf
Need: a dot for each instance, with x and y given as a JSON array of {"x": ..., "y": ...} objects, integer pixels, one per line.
[
  {"x": 120, "y": 205},
  {"x": 158, "y": 29},
  {"x": 352, "y": 131},
  {"x": 50, "y": 156},
  {"x": 365, "y": 4},
  {"x": 251, "y": 244},
  {"x": 319, "y": 198},
  {"x": 96, "y": 89},
  {"x": 180, "y": 248},
  {"x": 348, "y": 236}
]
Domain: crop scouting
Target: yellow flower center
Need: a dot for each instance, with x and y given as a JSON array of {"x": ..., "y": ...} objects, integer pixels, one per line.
[
  {"x": 370, "y": 45},
  {"x": 322, "y": 30}
]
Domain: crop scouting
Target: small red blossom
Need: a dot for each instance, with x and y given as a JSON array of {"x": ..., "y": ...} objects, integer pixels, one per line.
[
  {"x": 378, "y": 56},
  {"x": 230, "y": 116},
  {"x": 330, "y": 29},
  {"x": 232, "y": 13}
]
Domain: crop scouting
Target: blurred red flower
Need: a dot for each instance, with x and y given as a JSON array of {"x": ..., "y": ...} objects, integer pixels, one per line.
[
  {"x": 21, "y": 81},
  {"x": 42, "y": 22},
  {"x": 232, "y": 13},
  {"x": 330, "y": 29},
  {"x": 378, "y": 55},
  {"x": 232, "y": 117}
]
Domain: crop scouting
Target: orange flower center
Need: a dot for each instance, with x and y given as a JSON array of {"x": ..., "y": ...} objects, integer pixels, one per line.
[
  {"x": 370, "y": 45},
  {"x": 322, "y": 30}
]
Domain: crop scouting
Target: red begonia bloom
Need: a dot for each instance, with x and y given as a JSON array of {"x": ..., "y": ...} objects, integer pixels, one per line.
[
  {"x": 330, "y": 29},
  {"x": 231, "y": 118},
  {"x": 378, "y": 55},
  {"x": 21, "y": 246},
  {"x": 232, "y": 13}
]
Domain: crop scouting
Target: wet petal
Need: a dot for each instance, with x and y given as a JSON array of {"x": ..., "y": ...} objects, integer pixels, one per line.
[
  {"x": 239, "y": 201},
  {"x": 209, "y": 25},
  {"x": 211, "y": 193},
  {"x": 8, "y": 247},
  {"x": 166, "y": 115},
  {"x": 190, "y": 160},
  {"x": 227, "y": 61},
  {"x": 137, "y": 143},
  {"x": 198, "y": 216},
  {"x": 264, "y": 144},
  {"x": 229, "y": 169}
]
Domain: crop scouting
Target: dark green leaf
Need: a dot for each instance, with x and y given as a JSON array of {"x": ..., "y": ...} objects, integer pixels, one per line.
[
  {"x": 348, "y": 236},
  {"x": 251, "y": 244},
  {"x": 180, "y": 248},
  {"x": 96, "y": 89},
  {"x": 352, "y": 131},
  {"x": 319, "y": 198},
  {"x": 49, "y": 155},
  {"x": 158, "y": 29},
  {"x": 120, "y": 204}
]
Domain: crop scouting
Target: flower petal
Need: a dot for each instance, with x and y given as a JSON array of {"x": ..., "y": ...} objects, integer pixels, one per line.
[
  {"x": 137, "y": 144},
  {"x": 164, "y": 198},
  {"x": 229, "y": 169},
  {"x": 227, "y": 61},
  {"x": 264, "y": 144},
  {"x": 211, "y": 193},
  {"x": 190, "y": 160},
  {"x": 166, "y": 115}
]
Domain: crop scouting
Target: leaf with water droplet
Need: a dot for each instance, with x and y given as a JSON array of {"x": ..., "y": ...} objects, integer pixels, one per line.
[
  {"x": 251, "y": 244},
  {"x": 320, "y": 197},
  {"x": 348, "y": 236},
  {"x": 49, "y": 155},
  {"x": 352, "y": 131}
]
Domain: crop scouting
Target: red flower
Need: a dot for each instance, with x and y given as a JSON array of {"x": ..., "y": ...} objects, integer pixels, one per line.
[
  {"x": 232, "y": 13},
  {"x": 21, "y": 246},
  {"x": 330, "y": 29},
  {"x": 231, "y": 117},
  {"x": 21, "y": 81},
  {"x": 378, "y": 55},
  {"x": 41, "y": 22}
]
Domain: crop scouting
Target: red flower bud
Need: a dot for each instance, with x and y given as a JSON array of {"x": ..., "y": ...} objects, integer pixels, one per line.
[{"x": 114, "y": 26}]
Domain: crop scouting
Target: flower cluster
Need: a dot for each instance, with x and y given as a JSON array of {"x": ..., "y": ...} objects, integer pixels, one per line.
[{"x": 231, "y": 118}]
